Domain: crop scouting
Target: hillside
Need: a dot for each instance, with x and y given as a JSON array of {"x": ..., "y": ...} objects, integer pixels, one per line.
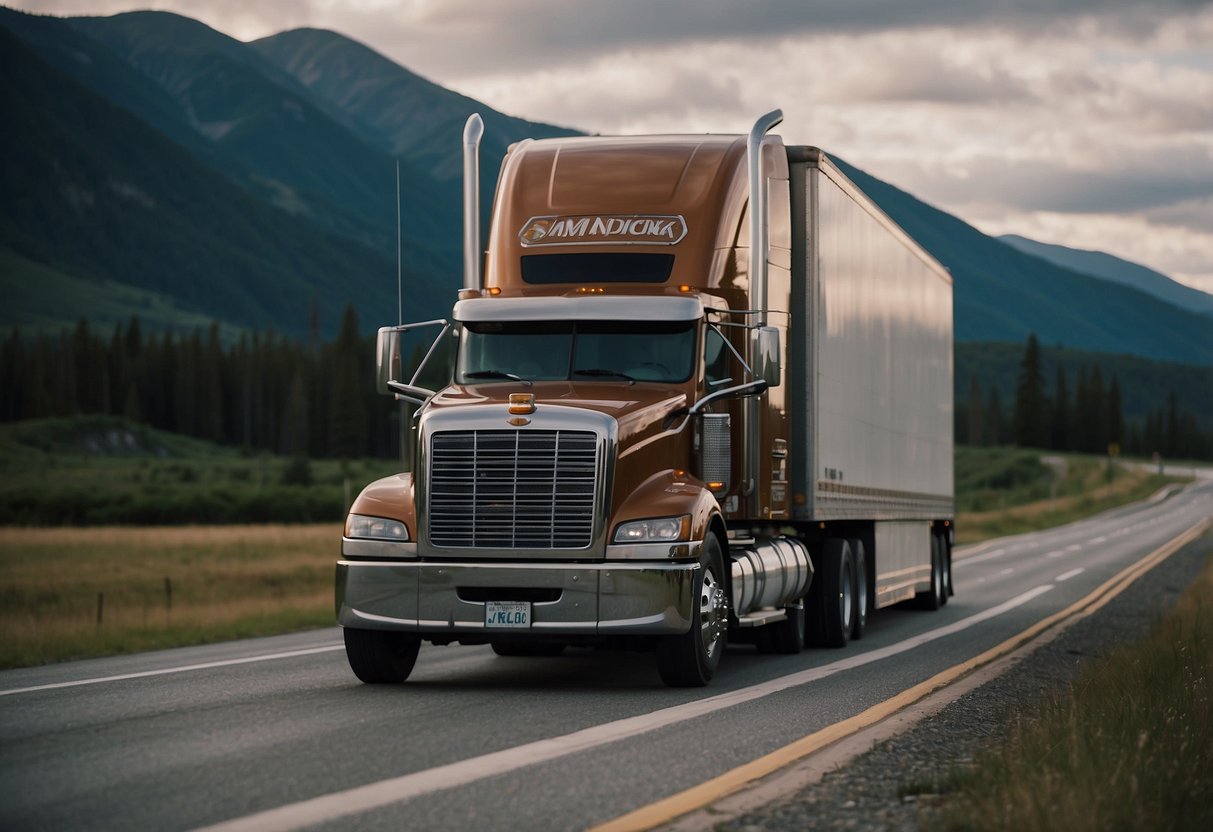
[
  {"x": 1002, "y": 294},
  {"x": 92, "y": 192},
  {"x": 1105, "y": 266}
]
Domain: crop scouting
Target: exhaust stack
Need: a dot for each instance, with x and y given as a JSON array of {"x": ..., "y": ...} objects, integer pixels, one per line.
[
  {"x": 473, "y": 130},
  {"x": 759, "y": 231}
]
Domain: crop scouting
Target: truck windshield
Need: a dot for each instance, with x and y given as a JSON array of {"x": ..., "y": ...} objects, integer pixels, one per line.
[{"x": 587, "y": 350}]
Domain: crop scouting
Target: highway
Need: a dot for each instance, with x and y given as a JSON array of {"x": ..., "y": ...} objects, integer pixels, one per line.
[{"x": 278, "y": 734}]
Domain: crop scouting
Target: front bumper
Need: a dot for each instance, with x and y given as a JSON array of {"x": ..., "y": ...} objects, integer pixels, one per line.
[{"x": 584, "y": 598}]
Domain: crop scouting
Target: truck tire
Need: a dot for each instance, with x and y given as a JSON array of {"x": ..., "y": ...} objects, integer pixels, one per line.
[
  {"x": 946, "y": 549},
  {"x": 381, "y": 656},
  {"x": 787, "y": 636},
  {"x": 859, "y": 621},
  {"x": 690, "y": 660},
  {"x": 832, "y": 596},
  {"x": 933, "y": 598},
  {"x": 528, "y": 648}
]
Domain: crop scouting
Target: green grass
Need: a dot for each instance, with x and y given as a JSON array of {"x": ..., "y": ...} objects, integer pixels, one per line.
[
  {"x": 1129, "y": 745},
  {"x": 101, "y": 470},
  {"x": 1003, "y": 491}
]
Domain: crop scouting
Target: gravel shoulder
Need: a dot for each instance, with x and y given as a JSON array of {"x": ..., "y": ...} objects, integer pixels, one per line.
[{"x": 865, "y": 794}]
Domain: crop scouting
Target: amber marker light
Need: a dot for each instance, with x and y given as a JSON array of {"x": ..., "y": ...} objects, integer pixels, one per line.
[
  {"x": 494, "y": 291},
  {"x": 685, "y": 287},
  {"x": 522, "y": 403}
]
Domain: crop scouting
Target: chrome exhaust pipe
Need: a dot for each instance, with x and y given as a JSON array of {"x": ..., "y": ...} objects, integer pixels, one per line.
[
  {"x": 759, "y": 231},
  {"x": 473, "y": 130},
  {"x": 773, "y": 572}
]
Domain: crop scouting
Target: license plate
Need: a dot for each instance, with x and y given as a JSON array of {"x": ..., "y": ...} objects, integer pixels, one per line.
[{"x": 507, "y": 614}]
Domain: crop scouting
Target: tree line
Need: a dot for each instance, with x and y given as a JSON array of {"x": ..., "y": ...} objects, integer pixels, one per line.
[
  {"x": 308, "y": 398},
  {"x": 1087, "y": 418},
  {"x": 263, "y": 391}
]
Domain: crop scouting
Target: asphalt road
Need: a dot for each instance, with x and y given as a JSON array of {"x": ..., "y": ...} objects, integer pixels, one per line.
[{"x": 277, "y": 733}]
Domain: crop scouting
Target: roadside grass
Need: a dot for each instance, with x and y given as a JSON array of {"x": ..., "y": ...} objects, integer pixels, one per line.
[
  {"x": 1005, "y": 491},
  {"x": 70, "y": 593},
  {"x": 1128, "y": 745}
]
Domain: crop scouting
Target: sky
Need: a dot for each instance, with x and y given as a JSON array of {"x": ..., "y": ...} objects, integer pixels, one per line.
[{"x": 1084, "y": 123}]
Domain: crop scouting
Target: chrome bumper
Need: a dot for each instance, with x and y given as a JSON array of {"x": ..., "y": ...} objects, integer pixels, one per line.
[{"x": 590, "y": 599}]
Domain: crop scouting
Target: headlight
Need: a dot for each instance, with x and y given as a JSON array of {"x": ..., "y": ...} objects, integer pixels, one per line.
[
  {"x": 659, "y": 530},
  {"x": 375, "y": 528}
]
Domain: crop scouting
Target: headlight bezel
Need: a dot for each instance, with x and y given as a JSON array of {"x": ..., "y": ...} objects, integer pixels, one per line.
[
  {"x": 369, "y": 527},
  {"x": 675, "y": 529}
]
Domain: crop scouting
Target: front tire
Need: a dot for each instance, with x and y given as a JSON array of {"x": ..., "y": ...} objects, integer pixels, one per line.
[
  {"x": 690, "y": 660},
  {"x": 381, "y": 656}
]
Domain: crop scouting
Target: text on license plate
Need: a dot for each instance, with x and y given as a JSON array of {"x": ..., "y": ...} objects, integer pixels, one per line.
[{"x": 507, "y": 614}]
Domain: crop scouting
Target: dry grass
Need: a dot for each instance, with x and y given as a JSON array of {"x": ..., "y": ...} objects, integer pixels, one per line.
[
  {"x": 1128, "y": 746},
  {"x": 158, "y": 587}
]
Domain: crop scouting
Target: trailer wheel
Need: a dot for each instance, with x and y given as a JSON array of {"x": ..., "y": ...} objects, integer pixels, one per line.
[
  {"x": 946, "y": 549},
  {"x": 528, "y": 648},
  {"x": 859, "y": 623},
  {"x": 832, "y": 596},
  {"x": 690, "y": 660},
  {"x": 933, "y": 598},
  {"x": 379, "y": 656}
]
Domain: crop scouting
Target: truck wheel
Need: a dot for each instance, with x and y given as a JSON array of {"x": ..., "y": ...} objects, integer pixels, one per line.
[
  {"x": 528, "y": 648},
  {"x": 932, "y": 599},
  {"x": 787, "y": 636},
  {"x": 690, "y": 660},
  {"x": 859, "y": 623},
  {"x": 832, "y": 596},
  {"x": 378, "y": 656},
  {"x": 946, "y": 550}
]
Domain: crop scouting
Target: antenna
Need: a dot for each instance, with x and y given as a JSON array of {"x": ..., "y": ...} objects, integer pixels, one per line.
[{"x": 399, "y": 279}]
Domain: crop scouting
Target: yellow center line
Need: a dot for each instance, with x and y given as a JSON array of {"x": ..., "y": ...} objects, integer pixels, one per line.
[{"x": 710, "y": 791}]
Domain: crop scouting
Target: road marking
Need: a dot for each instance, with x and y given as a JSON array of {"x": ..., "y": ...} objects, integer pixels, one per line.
[
  {"x": 361, "y": 799},
  {"x": 1065, "y": 576},
  {"x": 1073, "y": 547},
  {"x": 184, "y": 669},
  {"x": 705, "y": 794},
  {"x": 1007, "y": 571},
  {"x": 1055, "y": 554},
  {"x": 997, "y": 553},
  {"x": 1099, "y": 539}
]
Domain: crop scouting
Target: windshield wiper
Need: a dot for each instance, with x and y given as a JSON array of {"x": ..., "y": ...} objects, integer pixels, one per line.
[
  {"x": 496, "y": 374},
  {"x": 595, "y": 371}
]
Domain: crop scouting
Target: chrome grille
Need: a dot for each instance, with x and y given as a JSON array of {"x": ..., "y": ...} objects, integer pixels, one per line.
[{"x": 512, "y": 489}]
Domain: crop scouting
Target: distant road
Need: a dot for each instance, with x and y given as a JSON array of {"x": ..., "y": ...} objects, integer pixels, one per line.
[{"x": 277, "y": 733}]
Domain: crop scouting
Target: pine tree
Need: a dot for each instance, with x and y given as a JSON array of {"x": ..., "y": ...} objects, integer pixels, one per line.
[
  {"x": 347, "y": 411},
  {"x": 1031, "y": 412},
  {"x": 976, "y": 422},
  {"x": 1059, "y": 428},
  {"x": 1116, "y": 417}
]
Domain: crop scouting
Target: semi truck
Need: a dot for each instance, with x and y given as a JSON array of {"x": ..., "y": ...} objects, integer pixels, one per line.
[{"x": 697, "y": 390}]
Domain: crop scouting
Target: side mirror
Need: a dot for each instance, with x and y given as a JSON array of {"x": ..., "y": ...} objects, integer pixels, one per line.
[
  {"x": 766, "y": 354},
  {"x": 387, "y": 358},
  {"x": 391, "y": 342}
]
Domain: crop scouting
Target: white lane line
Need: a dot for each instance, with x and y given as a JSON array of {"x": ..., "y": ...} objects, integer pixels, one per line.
[
  {"x": 1056, "y": 553},
  {"x": 1065, "y": 576},
  {"x": 997, "y": 553},
  {"x": 183, "y": 669},
  {"x": 1073, "y": 547},
  {"x": 1007, "y": 571},
  {"x": 1099, "y": 539},
  {"x": 361, "y": 799}
]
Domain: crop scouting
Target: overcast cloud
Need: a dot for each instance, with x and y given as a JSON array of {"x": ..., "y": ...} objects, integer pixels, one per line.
[{"x": 1087, "y": 123}]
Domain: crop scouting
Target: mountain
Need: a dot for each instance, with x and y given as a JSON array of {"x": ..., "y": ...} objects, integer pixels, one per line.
[
  {"x": 1105, "y": 266},
  {"x": 1003, "y": 294},
  {"x": 214, "y": 177},
  {"x": 90, "y": 191},
  {"x": 393, "y": 108}
]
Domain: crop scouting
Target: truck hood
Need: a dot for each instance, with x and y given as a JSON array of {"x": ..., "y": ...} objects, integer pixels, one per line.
[{"x": 641, "y": 410}]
